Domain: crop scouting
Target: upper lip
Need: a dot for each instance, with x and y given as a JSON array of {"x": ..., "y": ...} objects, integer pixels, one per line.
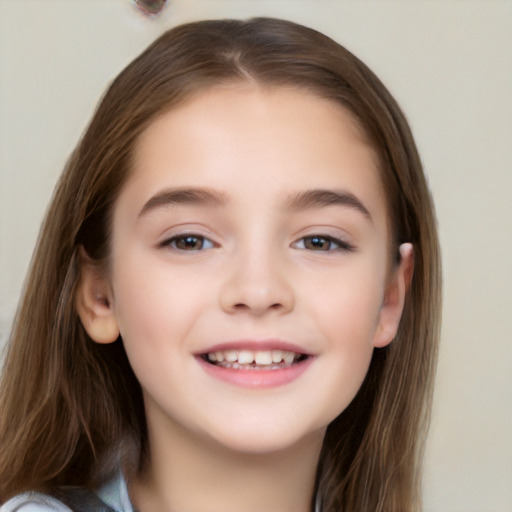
[{"x": 255, "y": 346}]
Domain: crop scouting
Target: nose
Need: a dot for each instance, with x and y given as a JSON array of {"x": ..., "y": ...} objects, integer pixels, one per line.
[{"x": 257, "y": 284}]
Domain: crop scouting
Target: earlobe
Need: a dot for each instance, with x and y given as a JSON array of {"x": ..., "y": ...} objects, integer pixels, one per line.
[
  {"x": 394, "y": 298},
  {"x": 94, "y": 303}
]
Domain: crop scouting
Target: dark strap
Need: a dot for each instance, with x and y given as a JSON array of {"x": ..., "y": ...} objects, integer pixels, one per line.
[{"x": 79, "y": 499}]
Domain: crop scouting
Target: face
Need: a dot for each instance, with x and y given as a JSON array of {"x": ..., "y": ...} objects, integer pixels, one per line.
[{"x": 250, "y": 278}]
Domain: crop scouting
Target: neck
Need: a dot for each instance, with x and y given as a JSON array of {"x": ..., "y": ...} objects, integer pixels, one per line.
[{"x": 186, "y": 473}]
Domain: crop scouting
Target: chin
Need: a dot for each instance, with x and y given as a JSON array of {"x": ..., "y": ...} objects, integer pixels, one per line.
[{"x": 258, "y": 440}]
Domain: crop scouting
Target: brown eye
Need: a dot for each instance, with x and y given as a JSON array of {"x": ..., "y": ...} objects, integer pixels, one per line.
[
  {"x": 188, "y": 243},
  {"x": 318, "y": 243},
  {"x": 321, "y": 243}
]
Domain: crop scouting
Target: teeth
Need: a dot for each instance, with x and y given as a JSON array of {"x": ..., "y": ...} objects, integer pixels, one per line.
[
  {"x": 288, "y": 357},
  {"x": 236, "y": 358},
  {"x": 277, "y": 356},
  {"x": 263, "y": 357},
  {"x": 231, "y": 355},
  {"x": 245, "y": 357}
]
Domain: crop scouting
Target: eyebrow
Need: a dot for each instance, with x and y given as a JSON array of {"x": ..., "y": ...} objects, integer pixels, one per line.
[
  {"x": 300, "y": 201},
  {"x": 179, "y": 196},
  {"x": 321, "y": 197}
]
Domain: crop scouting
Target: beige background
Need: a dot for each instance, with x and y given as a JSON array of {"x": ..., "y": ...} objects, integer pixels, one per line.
[{"x": 448, "y": 62}]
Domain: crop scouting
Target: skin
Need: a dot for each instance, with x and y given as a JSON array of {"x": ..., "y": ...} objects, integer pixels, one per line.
[{"x": 257, "y": 269}]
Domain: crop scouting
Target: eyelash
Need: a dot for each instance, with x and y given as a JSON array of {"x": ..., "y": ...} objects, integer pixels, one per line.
[
  {"x": 318, "y": 241},
  {"x": 187, "y": 238},
  {"x": 334, "y": 244}
]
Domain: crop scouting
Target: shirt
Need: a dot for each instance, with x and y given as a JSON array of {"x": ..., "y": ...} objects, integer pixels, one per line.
[{"x": 114, "y": 494}]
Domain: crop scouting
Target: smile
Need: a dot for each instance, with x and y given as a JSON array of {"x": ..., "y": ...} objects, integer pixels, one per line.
[
  {"x": 256, "y": 365},
  {"x": 254, "y": 359}
]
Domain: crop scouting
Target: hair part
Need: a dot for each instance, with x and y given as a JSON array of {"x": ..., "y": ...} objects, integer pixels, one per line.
[{"x": 72, "y": 409}]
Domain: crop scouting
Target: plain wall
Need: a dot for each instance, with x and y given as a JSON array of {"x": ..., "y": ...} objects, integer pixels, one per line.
[{"x": 449, "y": 64}]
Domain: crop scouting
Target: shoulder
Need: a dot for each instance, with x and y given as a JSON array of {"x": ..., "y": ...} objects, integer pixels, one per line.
[
  {"x": 33, "y": 502},
  {"x": 113, "y": 496}
]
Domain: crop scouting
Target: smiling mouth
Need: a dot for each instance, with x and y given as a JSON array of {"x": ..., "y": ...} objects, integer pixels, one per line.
[{"x": 254, "y": 359}]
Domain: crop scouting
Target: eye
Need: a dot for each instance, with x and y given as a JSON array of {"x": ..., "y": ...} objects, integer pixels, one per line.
[
  {"x": 188, "y": 242},
  {"x": 323, "y": 243}
]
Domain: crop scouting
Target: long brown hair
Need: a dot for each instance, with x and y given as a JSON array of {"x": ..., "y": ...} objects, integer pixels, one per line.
[{"x": 71, "y": 409}]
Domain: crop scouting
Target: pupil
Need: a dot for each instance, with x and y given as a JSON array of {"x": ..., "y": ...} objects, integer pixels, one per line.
[
  {"x": 190, "y": 242},
  {"x": 318, "y": 243}
]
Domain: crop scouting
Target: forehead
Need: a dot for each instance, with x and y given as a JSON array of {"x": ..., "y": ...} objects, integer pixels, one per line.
[{"x": 254, "y": 141}]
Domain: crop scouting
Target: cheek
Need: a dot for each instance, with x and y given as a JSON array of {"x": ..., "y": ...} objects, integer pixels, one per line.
[
  {"x": 347, "y": 303},
  {"x": 155, "y": 307},
  {"x": 349, "y": 324},
  {"x": 156, "y": 314},
  {"x": 347, "y": 315}
]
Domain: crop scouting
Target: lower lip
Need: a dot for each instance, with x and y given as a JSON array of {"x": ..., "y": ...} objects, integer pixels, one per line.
[{"x": 257, "y": 379}]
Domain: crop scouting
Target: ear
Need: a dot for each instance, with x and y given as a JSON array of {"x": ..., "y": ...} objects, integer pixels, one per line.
[
  {"x": 94, "y": 303},
  {"x": 394, "y": 298}
]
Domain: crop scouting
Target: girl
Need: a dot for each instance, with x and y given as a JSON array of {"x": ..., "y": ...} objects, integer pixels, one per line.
[{"x": 222, "y": 312}]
